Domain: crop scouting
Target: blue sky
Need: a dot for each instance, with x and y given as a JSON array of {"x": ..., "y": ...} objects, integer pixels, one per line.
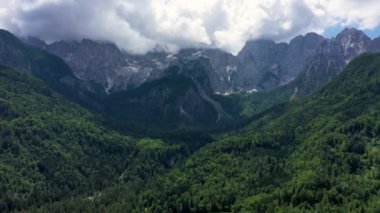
[{"x": 333, "y": 31}]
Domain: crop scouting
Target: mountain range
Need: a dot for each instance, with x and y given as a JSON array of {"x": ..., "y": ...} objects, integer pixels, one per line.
[
  {"x": 271, "y": 72},
  {"x": 280, "y": 127},
  {"x": 261, "y": 64}
]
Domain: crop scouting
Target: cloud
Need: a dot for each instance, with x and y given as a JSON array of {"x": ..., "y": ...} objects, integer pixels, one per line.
[{"x": 137, "y": 26}]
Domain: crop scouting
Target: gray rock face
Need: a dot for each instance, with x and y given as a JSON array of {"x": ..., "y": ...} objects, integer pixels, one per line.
[
  {"x": 223, "y": 66},
  {"x": 265, "y": 64},
  {"x": 182, "y": 96},
  {"x": 331, "y": 57},
  {"x": 353, "y": 42},
  {"x": 87, "y": 57},
  {"x": 48, "y": 67},
  {"x": 300, "y": 50},
  {"x": 105, "y": 64},
  {"x": 261, "y": 64}
]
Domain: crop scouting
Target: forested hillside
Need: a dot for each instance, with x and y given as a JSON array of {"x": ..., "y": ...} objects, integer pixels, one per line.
[
  {"x": 52, "y": 149},
  {"x": 317, "y": 154},
  {"x": 171, "y": 106},
  {"x": 321, "y": 153}
]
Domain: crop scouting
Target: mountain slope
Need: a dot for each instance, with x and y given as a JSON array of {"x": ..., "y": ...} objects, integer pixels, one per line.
[
  {"x": 321, "y": 153},
  {"x": 323, "y": 65},
  {"x": 52, "y": 149},
  {"x": 50, "y": 68},
  {"x": 182, "y": 98}
]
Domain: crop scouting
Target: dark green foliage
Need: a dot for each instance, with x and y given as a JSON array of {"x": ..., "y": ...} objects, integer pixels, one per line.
[
  {"x": 157, "y": 105},
  {"x": 49, "y": 68},
  {"x": 51, "y": 149},
  {"x": 318, "y": 154},
  {"x": 246, "y": 105}
]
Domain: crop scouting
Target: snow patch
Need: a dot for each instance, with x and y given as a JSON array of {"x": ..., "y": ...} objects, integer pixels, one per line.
[
  {"x": 198, "y": 53},
  {"x": 252, "y": 91},
  {"x": 172, "y": 56}
]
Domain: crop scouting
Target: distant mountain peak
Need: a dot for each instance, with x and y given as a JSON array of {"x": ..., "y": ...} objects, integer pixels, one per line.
[
  {"x": 354, "y": 42},
  {"x": 352, "y": 33}
]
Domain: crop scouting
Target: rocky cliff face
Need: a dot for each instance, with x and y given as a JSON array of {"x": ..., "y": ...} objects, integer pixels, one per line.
[
  {"x": 265, "y": 64},
  {"x": 106, "y": 64},
  {"x": 182, "y": 97},
  {"x": 261, "y": 64},
  {"x": 353, "y": 43},
  {"x": 48, "y": 67},
  {"x": 223, "y": 66},
  {"x": 331, "y": 57},
  {"x": 177, "y": 89}
]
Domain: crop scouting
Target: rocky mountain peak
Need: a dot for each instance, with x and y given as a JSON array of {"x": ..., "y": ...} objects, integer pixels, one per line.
[
  {"x": 354, "y": 42},
  {"x": 352, "y": 33}
]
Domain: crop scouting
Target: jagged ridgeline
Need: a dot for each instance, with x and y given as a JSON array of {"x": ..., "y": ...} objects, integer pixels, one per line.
[
  {"x": 180, "y": 99},
  {"x": 279, "y": 71}
]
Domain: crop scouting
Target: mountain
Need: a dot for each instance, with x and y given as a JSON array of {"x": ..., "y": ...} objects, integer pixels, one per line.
[
  {"x": 325, "y": 63},
  {"x": 50, "y": 68},
  {"x": 105, "y": 64},
  {"x": 46, "y": 66},
  {"x": 317, "y": 154},
  {"x": 260, "y": 64},
  {"x": 330, "y": 59},
  {"x": 52, "y": 149},
  {"x": 264, "y": 64},
  {"x": 320, "y": 153},
  {"x": 223, "y": 66},
  {"x": 181, "y": 98},
  {"x": 279, "y": 71},
  {"x": 354, "y": 42}
]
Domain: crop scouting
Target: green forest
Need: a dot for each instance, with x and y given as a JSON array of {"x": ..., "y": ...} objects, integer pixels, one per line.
[
  {"x": 52, "y": 149},
  {"x": 319, "y": 153}
]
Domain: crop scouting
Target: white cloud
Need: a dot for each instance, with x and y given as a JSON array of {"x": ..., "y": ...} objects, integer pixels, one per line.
[{"x": 138, "y": 25}]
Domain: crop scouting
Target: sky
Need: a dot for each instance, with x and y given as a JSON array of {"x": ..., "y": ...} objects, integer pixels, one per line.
[{"x": 138, "y": 26}]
